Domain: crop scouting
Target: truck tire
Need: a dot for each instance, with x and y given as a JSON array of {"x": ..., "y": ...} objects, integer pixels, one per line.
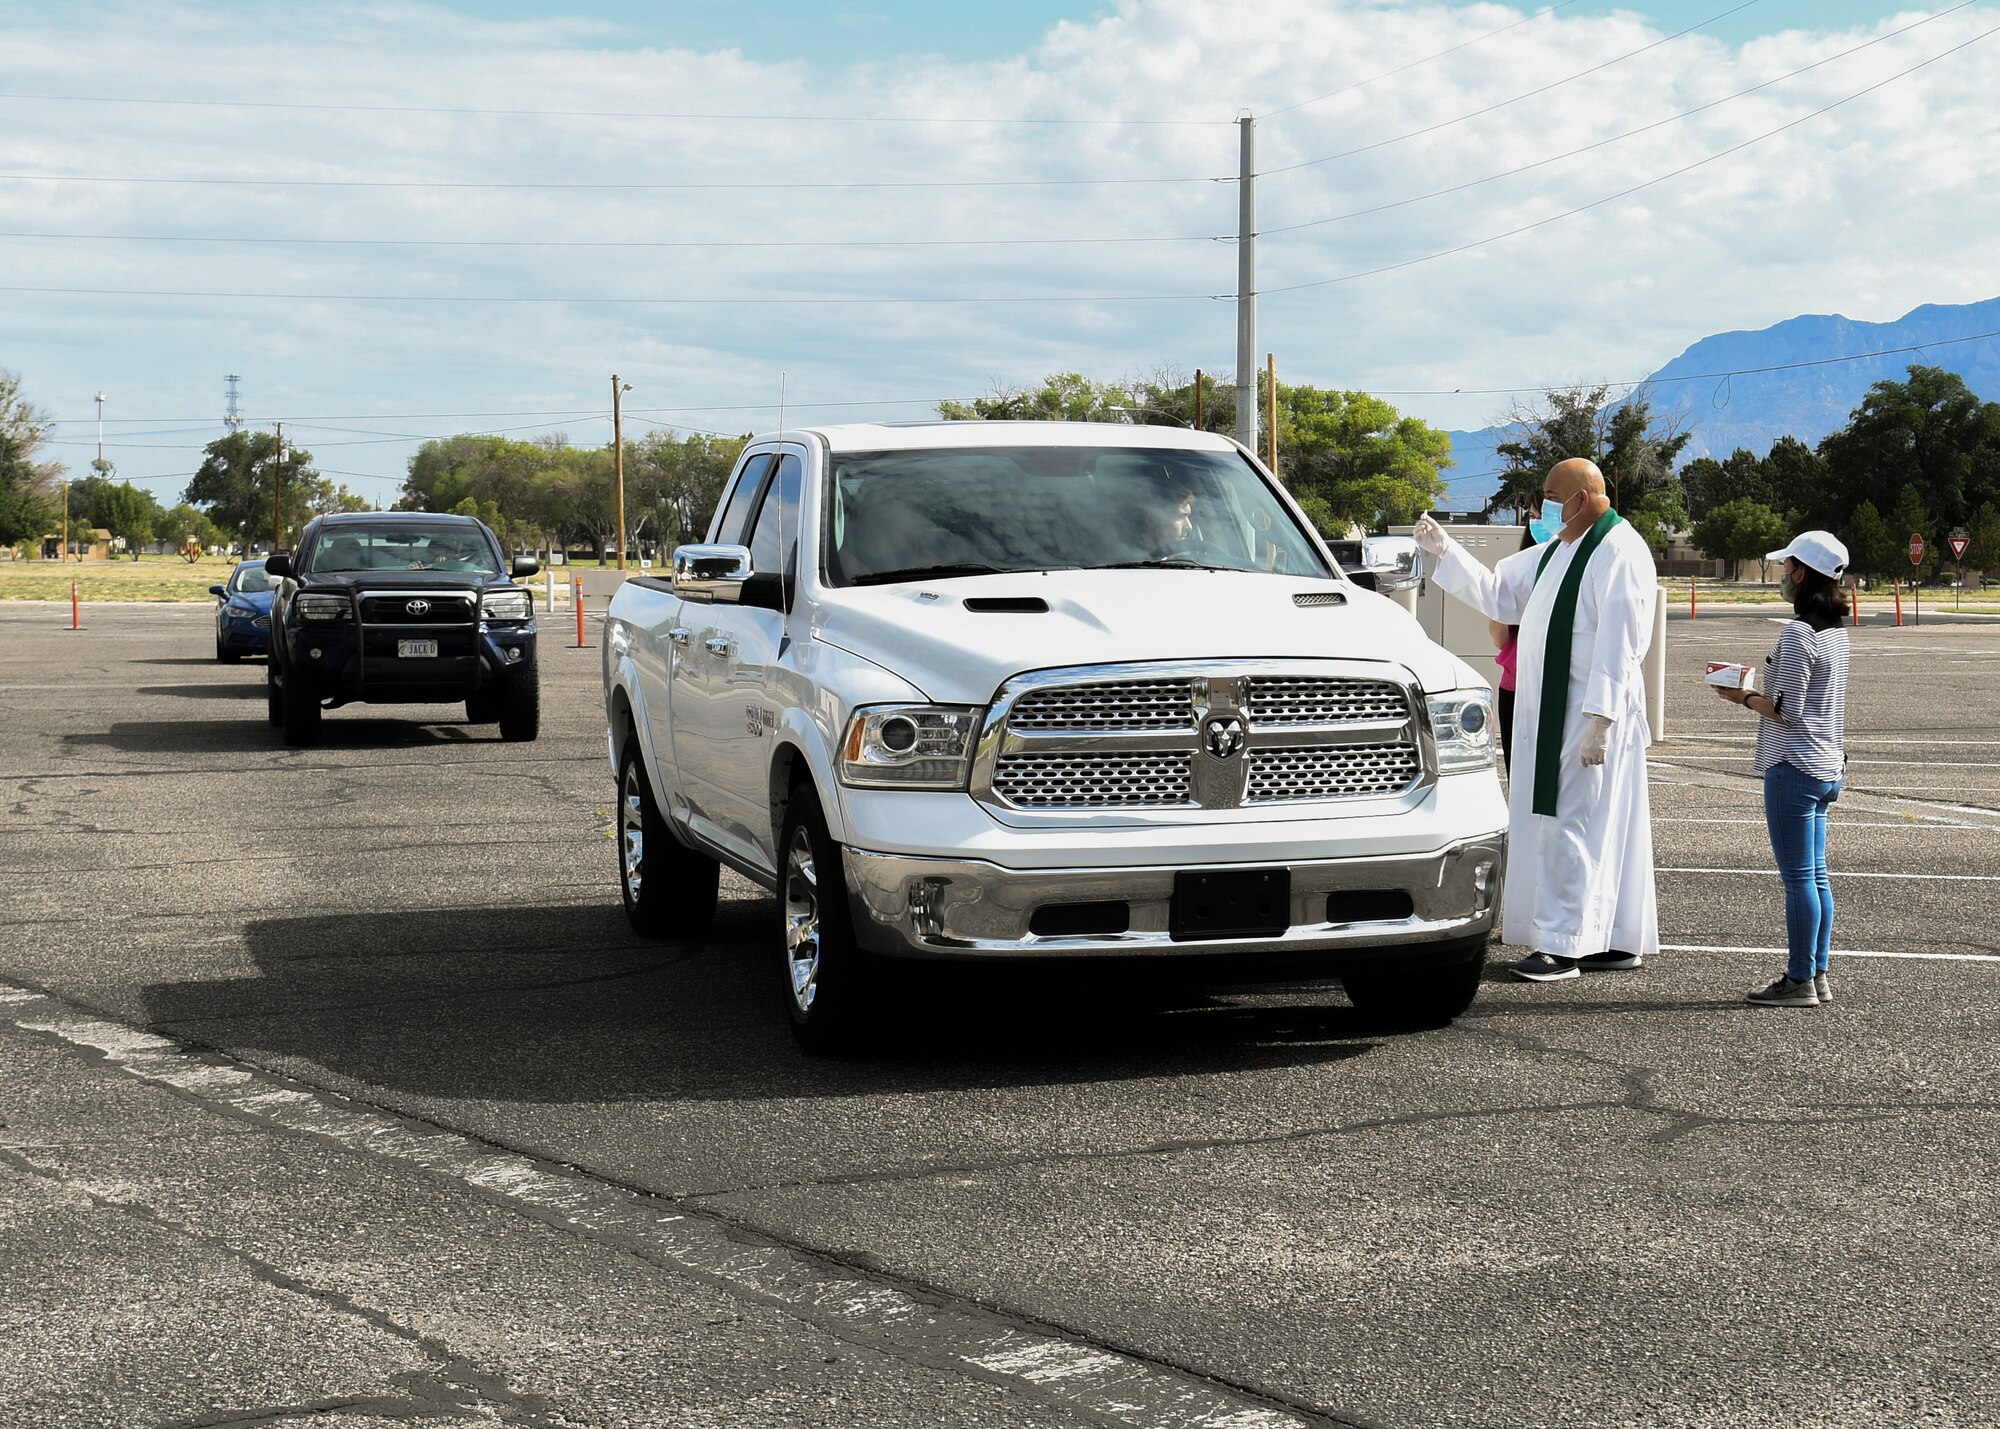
[
  {"x": 483, "y": 708},
  {"x": 224, "y": 653},
  {"x": 827, "y": 978},
  {"x": 1423, "y": 997},
  {"x": 521, "y": 706},
  {"x": 668, "y": 888},
  {"x": 298, "y": 712},
  {"x": 274, "y": 706}
]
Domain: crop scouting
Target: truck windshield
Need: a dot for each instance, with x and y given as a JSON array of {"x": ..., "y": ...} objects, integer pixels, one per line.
[
  {"x": 914, "y": 515},
  {"x": 403, "y": 548}
]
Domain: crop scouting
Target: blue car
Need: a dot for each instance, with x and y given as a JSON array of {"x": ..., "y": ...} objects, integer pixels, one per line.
[{"x": 243, "y": 614}]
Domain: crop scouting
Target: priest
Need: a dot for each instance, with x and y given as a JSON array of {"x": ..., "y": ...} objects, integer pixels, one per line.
[{"x": 1579, "y": 889}]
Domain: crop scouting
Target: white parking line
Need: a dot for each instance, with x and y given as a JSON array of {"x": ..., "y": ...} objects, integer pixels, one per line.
[
  {"x": 1100, "y": 1384},
  {"x": 1837, "y": 952},
  {"x": 1911, "y": 825}
]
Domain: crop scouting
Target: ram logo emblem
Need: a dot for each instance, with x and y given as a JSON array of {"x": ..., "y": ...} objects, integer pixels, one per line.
[{"x": 1223, "y": 735}]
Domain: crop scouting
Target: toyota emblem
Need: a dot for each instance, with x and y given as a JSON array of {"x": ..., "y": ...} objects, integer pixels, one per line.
[
  {"x": 1223, "y": 735},
  {"x": 418, "y": 607}
]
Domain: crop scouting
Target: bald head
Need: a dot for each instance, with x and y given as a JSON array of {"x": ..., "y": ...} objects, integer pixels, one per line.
[
  {"x": 1567, "y": 481},
  {"x": 1574, "y": 474}
]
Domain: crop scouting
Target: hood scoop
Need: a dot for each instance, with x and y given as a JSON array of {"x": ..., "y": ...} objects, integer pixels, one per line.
[
  {"x": 1306, "y": 598},
  {"x": 1007, "y": 604}
]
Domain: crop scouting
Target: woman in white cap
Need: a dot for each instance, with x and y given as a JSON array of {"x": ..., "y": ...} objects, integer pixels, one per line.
[{"x": 1800, "y": 732}]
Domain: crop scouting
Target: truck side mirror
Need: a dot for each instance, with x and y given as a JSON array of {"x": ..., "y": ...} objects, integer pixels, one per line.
[
  {"x": 524, "y": 567},
  {"x": 279, "y": 564},
  {"x": 712, "y": 575}
]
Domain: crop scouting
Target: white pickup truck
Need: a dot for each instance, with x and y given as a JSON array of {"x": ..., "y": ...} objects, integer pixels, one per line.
[{"x": 1027, "y": 689}]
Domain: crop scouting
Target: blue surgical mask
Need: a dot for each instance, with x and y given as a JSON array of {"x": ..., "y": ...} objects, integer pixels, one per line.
[{"x": 1542, "y": 526}]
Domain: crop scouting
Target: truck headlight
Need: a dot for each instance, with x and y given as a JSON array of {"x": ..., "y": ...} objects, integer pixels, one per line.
[
  {"x": 1462, "y": 726},
  {"x": 508, "y": 605},
  {"x": 910, "y": 747},
  {"x": 324, "y": 607}
]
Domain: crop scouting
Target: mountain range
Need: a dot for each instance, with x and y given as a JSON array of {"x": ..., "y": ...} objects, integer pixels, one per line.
[{"x": 1797, "y": 392}]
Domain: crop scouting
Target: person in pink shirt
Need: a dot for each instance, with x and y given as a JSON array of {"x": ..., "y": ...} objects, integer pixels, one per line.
[{"x": 1508, "y": 639}]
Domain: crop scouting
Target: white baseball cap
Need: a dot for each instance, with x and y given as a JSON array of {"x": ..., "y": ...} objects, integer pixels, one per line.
[{"x": 1820, "y": 550}]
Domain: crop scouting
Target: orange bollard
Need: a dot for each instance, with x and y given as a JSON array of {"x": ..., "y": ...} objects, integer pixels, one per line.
[
  {"x": 576, "y": 589},
  {"x": 75, "y": 611},
  {"x": 1694, "y": 606},
  {"x": 1898, "y": 585},
  {"x": 1854, "y": 599}
]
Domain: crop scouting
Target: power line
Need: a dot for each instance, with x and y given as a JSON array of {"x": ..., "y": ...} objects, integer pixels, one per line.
[
  {"x": 1492, "y": 108},
  {"x": 673, "y": 115},
  {"x": 623, "y": 301},
  {"x": 622, "y": 243},
  {"x": 1413, "y": 64},
  {"x": 584, "y": 186},
  {"x": 1636, "y": 188},
  {"x": 1616, "y": 138}
]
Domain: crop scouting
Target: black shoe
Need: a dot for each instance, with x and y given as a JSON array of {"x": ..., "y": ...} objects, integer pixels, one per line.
[
  {"x": 1544, "y": 967},
  {"x": 1613, "y": 961}
]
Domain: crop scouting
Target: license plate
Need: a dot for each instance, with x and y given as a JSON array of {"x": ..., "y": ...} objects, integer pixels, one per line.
[
  {"x": 417, "y": 649},
  {"x": 1239, "y": 903}
]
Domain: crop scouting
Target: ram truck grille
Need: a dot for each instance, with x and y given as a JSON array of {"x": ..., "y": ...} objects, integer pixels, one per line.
[{"x": 1225, "y": 735}]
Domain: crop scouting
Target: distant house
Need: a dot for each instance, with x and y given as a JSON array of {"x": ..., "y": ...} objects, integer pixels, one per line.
[{"x": 1683, "y": 558}]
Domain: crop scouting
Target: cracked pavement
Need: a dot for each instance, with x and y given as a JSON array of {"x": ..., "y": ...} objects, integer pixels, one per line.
[{"x": 1625, "y": 1200}]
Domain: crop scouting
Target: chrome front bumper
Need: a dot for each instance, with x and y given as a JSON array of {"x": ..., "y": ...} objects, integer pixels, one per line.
[{"x": 955, "y": 908}]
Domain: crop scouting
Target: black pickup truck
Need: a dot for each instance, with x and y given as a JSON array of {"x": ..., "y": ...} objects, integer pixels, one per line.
[{"x": 402, "y": 608}]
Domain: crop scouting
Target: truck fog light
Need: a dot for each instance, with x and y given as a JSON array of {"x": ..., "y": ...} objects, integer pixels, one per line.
[
  {"x": 315, "y": 652},
  {"x": 926, "y": 919},
  {"x": 1482, "y": 885},
  {"x": 513, "y": 653}
]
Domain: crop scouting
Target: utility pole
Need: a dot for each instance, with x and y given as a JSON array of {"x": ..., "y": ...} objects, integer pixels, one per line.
[
  {"x": 1197, "y": 399},
  {"x": 1271, "y": 411},
  {"x": 1246, "y": 285},
  {"x": 278, "y": 494},
  {"x": 618, "y": 389},
  {"x": 100, "y": 434}
]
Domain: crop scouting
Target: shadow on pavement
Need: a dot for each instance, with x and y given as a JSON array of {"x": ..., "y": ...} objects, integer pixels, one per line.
[
  {"x": 236, "y": 690},
  {"x": 564, "y": 1004},
  {"x": 254, "y": 734}
]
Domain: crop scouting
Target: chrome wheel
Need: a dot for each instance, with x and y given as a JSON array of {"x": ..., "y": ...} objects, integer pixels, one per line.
[
  {"x": 802, "y": 933},
  {"x": 632, "y": 832}
]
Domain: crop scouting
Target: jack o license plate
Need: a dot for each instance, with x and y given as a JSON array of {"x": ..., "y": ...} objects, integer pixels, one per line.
[{"x": 416, "y": 649}]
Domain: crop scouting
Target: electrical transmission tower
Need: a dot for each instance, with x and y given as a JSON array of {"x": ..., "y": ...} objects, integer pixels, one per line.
[{"x": 231, "y": 418}]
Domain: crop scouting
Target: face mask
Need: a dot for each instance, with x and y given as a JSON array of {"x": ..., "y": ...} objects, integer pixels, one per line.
[
  {"x": 1788, "y": 586},
  {"x": 1543, "y": 527}
]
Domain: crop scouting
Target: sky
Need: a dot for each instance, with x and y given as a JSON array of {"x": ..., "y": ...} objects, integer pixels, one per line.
[{"x": 396, "y": 221}]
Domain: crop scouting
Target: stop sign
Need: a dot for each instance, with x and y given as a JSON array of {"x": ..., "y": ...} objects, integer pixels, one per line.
[{"x": 1916, "y": 549}]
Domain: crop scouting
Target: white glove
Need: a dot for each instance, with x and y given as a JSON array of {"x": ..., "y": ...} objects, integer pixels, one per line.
[
  {"x": 1596, "y": 735},
  {"x": 1431, "y": 537}
]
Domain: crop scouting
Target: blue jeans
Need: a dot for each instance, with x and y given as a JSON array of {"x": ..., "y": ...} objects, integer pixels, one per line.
[{"x": 1795, "y": 806}]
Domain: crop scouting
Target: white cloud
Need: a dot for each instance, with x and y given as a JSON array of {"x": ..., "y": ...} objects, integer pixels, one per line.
[{"x": 1869, "y": 210}]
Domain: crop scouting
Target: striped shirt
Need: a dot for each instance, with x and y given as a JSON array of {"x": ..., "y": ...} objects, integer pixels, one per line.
[{"x": 1806, "y": 677}]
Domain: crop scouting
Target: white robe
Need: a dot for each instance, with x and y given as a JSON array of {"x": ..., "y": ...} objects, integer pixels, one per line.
[{"x": 1579, "y": 882}]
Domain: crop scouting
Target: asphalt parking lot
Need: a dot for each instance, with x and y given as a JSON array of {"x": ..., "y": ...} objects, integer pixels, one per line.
[{"x": 333, "y": 1089}]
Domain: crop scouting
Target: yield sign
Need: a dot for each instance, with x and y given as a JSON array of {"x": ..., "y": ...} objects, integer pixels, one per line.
[{"x": 1958, "y": 545}]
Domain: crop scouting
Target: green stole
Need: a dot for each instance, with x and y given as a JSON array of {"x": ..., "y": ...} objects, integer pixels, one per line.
[{"x": 1554, "y": 707}]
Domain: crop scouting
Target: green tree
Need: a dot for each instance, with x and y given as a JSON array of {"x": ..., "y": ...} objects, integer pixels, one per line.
[
  {"x": 1633, "y": 447},
  {"x": 127, "y": 512},
  {"x": 1983, "y": 554},
  {"x": 1354, "y": 460},
  {"x": 187, "y": 523},
  {"x": 1062, "y": 397},
  {"x": 1741, "y": 530},
  {"x": 235, "y": 484},
  {"x": 1872, "y": 548},
  {"x": 27, "y": 487},
  {"x": 1930, "y": 432},
  {"x": 1796, "y": 477}
]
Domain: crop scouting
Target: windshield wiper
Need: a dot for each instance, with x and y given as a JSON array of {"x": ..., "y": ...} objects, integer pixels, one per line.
[
  {"x": 917, "y": 573},
  {"x": 1170, "y": 563}
]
